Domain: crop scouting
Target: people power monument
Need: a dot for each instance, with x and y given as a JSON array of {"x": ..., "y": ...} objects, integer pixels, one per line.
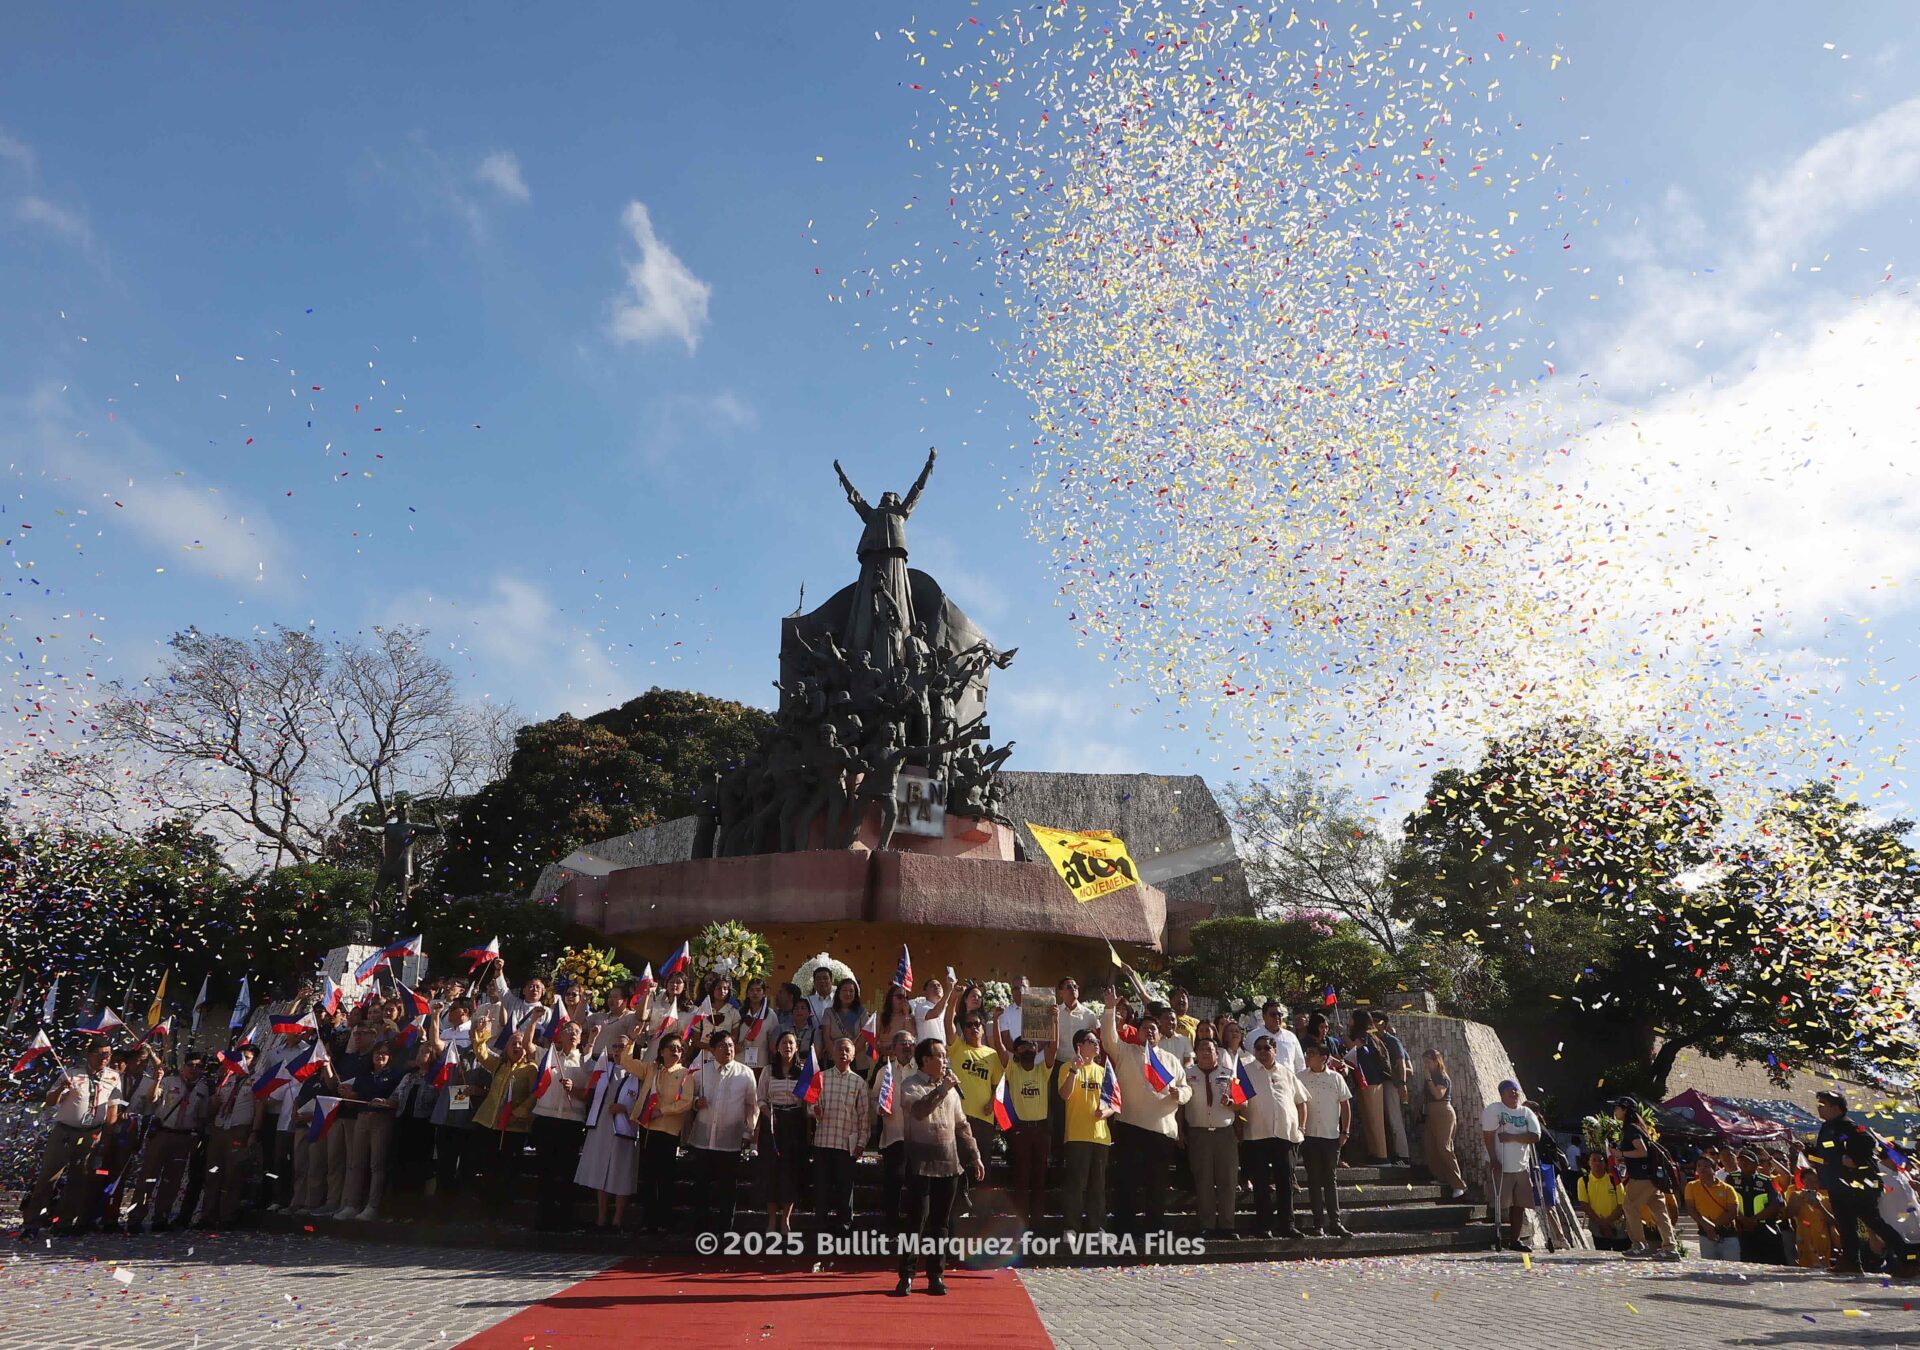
[
  {"x": 883, "y": 693},
  {"x": 872, "y": 814}
]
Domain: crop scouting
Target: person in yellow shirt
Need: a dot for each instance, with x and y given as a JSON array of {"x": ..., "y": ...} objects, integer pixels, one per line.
[
  {"x": 660, "y": 1109},
  {"x": 1028, "y": 1142},
  {"x": 1081, "y": 1086},
  {"x": 1603, "y": 1202},
  {"x": 979, "y": 1067},
  {"x": 1715, "y": 1207},
  {"x": 1814, "y": 1239},
  {"x": 508, "y": 1108}
]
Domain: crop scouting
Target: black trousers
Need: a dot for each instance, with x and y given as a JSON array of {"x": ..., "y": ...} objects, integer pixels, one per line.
[
  {"x": 893, "y": 1179},
  {"x": 1028, "y": 1143},
  {"x": 1853, "y": 1206},
  {"x": 833, "y": 1188},
  {"x": 929, "y": 1213},
  {"x": 659, "y": 1171},
  {"x": 1269, "y": 1163},
  {"x": 1139, "y": 1178},
  {"x": 556, "y": 1144},
  {"x": 1322, "y": 1157},
  {"x": 716, "y": 1172},
  {"x": 448, "y": 1159}
]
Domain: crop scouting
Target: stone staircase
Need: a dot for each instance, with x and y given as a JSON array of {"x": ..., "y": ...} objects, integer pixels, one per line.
[{"x": 1391, "y": 1210}]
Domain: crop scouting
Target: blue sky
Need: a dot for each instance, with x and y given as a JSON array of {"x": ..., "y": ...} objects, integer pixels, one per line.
[{"x": 592, "y": 443}]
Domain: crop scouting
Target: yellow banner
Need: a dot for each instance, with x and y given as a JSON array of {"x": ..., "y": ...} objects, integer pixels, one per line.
[{"x": 1093, "y": 863}]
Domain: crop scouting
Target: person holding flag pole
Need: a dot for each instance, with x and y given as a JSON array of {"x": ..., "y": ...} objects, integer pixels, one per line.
[
  {"x": 85, "y": 1101},
  {"x": 1153, "y": 1088},
  {"x": 1213, "y": 1148},
  {"x": 1273, "y": 1107},
  {"x": 893, "y": 1126},
  {"x": 664, "y": 1100}
]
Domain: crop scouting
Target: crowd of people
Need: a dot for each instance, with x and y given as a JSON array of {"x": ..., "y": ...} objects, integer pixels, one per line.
[
  {"x": 658, "y": 1101},
  {"x": 1843, "y": 1202}
]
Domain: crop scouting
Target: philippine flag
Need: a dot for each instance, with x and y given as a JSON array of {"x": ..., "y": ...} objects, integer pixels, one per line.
[
  {"x": 807, "y": 1086},
  {"x": 230, "y": 1064},
  {"x": 885, "y": 1096},
  {"x": 677, "y": 963},
  {"x": 309, "y": 1062},
  {"x": 444, "y": 1071},
  {"x": 391, "y": 952},
  {"x": 870, "y": 1033},
  {"x": 556, "y": 1017},
  {"x": 700, "y": 1014},
  {"x": 1110, "y": 1090},
  {"x": 412, "y": 1005},
  {"x": 644, "y": 985},
  {"x": 36, "y": 1047},
  {"x": 100, "y": 1023},
  {"x": 325, "y": 1110},
  {"x": 1329, "y": 998},
  {"x": 545, "y": 1080},
  {"x": 477, "y": 957},
  {"x": 1003, "y": 1105},
  {"x": 903, "y": 970},
  {"x": 1241, "y": 1092},
  {"x": 271, "y": 1081},
  {"x": 1158, "y": 1068},
  {"x": 330, "y": 994},
  {"x": 651, "y": 1106},
  {"x": 286, "y": 1024}
]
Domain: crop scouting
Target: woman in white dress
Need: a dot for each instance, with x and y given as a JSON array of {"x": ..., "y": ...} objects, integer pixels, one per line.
[{"x": 610, "y": 1159}]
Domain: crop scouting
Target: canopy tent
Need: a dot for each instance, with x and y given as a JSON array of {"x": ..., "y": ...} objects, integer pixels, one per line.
[{"x": 1726, "y": 1121}]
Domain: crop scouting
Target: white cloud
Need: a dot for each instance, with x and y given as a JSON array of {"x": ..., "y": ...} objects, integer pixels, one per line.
[
  {"x": 501, "y": 172},
  {"x": 1685, "y": 320},
  {"x": 514, "y": 631},
  {"x": 664, "y": 298},
  {"x": 13, "y": 149},
  {"x": 68, "y": 224},
  {"x": 207, "y": 531}
]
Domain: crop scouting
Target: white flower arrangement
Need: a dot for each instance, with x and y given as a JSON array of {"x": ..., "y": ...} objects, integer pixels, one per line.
[
  {"x": 804, "y": 976},
  {"x": 997, "y": 993}
]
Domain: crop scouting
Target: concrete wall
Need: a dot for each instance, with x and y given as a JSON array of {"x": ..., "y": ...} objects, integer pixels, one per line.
[{"x": 1477, "y": 1061}]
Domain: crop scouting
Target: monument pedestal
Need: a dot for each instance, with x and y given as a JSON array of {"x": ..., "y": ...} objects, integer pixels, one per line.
[{"x": 341, "y": 962}]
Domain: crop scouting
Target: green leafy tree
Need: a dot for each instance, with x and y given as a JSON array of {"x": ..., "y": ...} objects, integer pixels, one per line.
[
  {"x": 1294, "y": 958},
  {"x": 1310, "y": 847},
  {"x": 572, "y": 781}
]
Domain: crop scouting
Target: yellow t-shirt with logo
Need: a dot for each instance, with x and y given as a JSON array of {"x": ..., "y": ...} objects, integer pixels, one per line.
[
  {"x": 1028, "y": 1087},
  {"x": 978, "y": 1068},
  {"x": 1082, "y": 1097},
  {"x": 1715, "y": 1202},
  {"x": 1600, "y": 1195}
]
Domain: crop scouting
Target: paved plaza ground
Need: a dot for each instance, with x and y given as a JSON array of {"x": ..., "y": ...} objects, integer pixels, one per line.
[{"x": 288, "y": 1292}]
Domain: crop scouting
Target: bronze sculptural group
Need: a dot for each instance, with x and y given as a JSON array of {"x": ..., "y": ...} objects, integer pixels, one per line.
[{"x": 887, "y": 674}]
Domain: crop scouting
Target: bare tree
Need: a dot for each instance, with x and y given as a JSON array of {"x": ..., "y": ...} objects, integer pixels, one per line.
[
  {"x": 1310, "y": 847},
  {"x": 278, "y": 736}
]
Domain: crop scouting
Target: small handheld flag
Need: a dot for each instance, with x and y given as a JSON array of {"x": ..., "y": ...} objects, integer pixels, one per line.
[
  {"x": 286, "y": 1024},
  {"x": 231, "y": 1063},
  {"x": 412, "y": 1004},
  {"x": 271, "y": 1081},
  {"x": 163, "y": 1029},
  {"x": 200, "y": 1002},
  {"x": 644, "y": 985},
  {"x": 1241, "y": 1092},
  {"x": 100, "y": 1023},
  {"x": 545, "y": 1080},
  {"x": 391, "y": 952},
  {"x": 444, "y": 1071},
  {"x": 36, "y": 1047},
  {"x": 1003, "y": 1104},
  {"x": 870, "y": 1033},
  {"x": 325, "y": 1110},
  {"x": 242, "y": 1007},
  {"x": 903, "y": 970},
  {"x": 330, "y": 994},
  {"x": 1158, "y": 1068},
  {"x": 311, "y": 1061},
  {"x": 651, "y": 1106},
  {"x": 477, "y": 957},
  {"x": 807, "y": 1086},
  {"x": 1328, "y": 999},
  {"x": 677, "y": 963},
  {"x": 1110, "y": 1090},
  {"x": 885, "y": 1097}
]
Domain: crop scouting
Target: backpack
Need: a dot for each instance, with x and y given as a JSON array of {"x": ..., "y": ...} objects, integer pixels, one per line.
[{"x": 1666, "y": 1172}]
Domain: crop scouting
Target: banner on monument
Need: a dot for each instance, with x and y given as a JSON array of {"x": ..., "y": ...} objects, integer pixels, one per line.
[{"x": 1093, "y": 863}]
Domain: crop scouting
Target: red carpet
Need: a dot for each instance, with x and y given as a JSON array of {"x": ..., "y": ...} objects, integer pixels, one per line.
[{"x": 697, "y": 1303}]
